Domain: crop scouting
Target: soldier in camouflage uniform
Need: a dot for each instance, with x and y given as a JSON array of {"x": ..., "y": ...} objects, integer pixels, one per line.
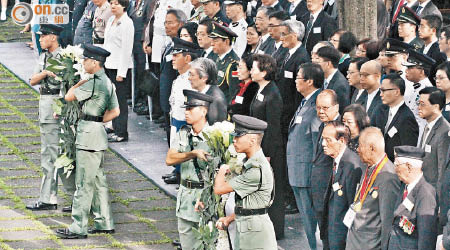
[
  {"x": 48, "y": 124},
  {"x": 99, "y": 104},
  {"x": 254, "y": 187},
  {"x": 189, "y": 149}
]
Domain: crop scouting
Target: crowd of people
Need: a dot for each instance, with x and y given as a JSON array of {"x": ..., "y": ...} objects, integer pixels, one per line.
[{"x": 356, "y": 132}]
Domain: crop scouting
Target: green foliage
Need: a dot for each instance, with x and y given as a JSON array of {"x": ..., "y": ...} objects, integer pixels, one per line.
[{"x": 68, "y": 112}]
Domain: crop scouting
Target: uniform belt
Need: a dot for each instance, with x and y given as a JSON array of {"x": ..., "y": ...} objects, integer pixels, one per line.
[
  {"x": 192, "y": 184},
  {"x": 246, "y": 212},
  {"x": 46, "y": 91},
  {"x": 91, "y": 118},
  {"x": 98, "y": 40}
]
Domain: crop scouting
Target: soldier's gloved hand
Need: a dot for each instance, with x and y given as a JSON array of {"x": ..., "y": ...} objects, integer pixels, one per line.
[
  {"x": 201, "y": 154},
  {"x": 224, "y": 168},
  {"x": 199, "y": 206},
  {"x": 49, "y": 73}
]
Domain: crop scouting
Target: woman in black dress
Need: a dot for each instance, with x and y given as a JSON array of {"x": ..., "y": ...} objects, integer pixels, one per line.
[
  {"x": 267, "y": 106},
  {"x": 247, "y": 88}
]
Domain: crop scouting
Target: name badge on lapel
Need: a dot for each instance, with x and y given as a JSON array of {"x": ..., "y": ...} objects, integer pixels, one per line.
[
  {"x": 392, "y": 132},
  {"x": 260, "y": 97},
  {"x": 298, "y": 119},
  {"x": 294, "y": 18},
  {"x": 408, "y": 204},
  {"x": 447, "y": 107},
  {"x": 427, "y": 148},
  {"x": 349, "y": 217},
  {"x": 239, "y": 99},
  {"x": 317, "y": 30},
  {"x": 288, "y": 74},
  {"x": 168, "y": 58},
  {"x": 220, "y": 73}
]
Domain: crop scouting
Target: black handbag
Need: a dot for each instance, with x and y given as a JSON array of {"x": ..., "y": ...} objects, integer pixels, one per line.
[{"x": 148, "y": 83}]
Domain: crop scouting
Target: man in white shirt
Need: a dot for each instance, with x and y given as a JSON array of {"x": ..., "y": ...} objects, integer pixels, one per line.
[
  {"x": 418, "y": 68},
  {"x": 235, "y": 10}
]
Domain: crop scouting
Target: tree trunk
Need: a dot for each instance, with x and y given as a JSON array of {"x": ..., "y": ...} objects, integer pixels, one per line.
[{"x": 359, "y": 17}]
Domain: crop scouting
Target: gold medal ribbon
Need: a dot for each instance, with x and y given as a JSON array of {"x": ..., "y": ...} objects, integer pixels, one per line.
[{"x": 371, "y": 180}]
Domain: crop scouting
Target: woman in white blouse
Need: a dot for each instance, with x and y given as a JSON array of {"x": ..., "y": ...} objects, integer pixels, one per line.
[{"x": 119, "y": 34}]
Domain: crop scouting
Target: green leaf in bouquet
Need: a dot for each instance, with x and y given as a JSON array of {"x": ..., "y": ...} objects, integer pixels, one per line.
[
  {"x": 55, "y": 68},
  {"x": 53, "y": 61},
  {"x": 63, "y": 161},
  {"x": 57, "y": 106}
]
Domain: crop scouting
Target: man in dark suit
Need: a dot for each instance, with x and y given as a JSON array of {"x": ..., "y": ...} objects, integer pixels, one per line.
[
  {"x": 395, "y": 120},
  {"x": 292, "y": 32},
  {"x": 444, "y": 203},
  {"x": 327, "y": 108},
  {"x": 415, "y": 214},
  {"x": 370, "y": 78},
  {"x": 371, "y": 214},
  {"x": 328, "y": 58},
  {"x": 319, "y": 25},
  {"x": 443, "y": 83},
  {"x": 353, "y": 78},
  {"x": 275, "y": 20},
  {"x": 444, "y": 41},
  {"x": 302, "y": 140},
  {"x": 342, "y": 185},
  {"x": 435, "y": 137},
  {"x": 429, "y": 28},
  {"x": 141, "y": 13},
  {"x": 204, "y": 41},
  {"x": 427, "y": 7},
  {"x": 262, "y": 25},
  {"x": 297, "y": 9}
]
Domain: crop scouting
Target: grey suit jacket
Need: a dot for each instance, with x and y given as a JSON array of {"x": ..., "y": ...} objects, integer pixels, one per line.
[
  {"x": 423, "y": 215},
  {"x": 435, "y": 159},
  {"x": 372, "y": 224},
  {"x": 302, "y": 140},
  {"x": 430, "y": 9}
]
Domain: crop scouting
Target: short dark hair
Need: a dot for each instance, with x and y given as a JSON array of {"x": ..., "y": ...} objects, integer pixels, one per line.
[
  {"x": 437, "y": 96},
  {"x": 191, "y": 28},
  {"x": 359, "y": 61},
  {"x": 446, "y": 30},
  {"x": 331, "y": 54},
  {"x": 124, "y": 4},
  {"x": 347, "y": 42},
  {"x": 248, "y": 60},
  {"x": 360, "y": 114},
  {"x": 396, "y": 80},
  {"x": 280, "y": 15},
  {"x": 253, "y": 25},
  {"x": 434, "y": 21},
  {"x": 373, "y": 49},
  {"x": 312, "y": 71},
  {"x": 445, "y": 66},
  {"x": 342, "y": 131},
  {"x": 266, "y": 63},
  {"x": 192, "y": 55}
]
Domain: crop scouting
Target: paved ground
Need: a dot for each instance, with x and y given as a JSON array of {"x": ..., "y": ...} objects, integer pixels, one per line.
[{"x": 144, "y": 213}]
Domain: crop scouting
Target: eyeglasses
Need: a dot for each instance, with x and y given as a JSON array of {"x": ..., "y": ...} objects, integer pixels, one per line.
[
  {"x": 384, "y": 90},
  {"x": 282, "y": 34},
  {"x": 352, "y": 72},
  {"x": 364, "y": 74},
  {"x": 440, "y": 78}
]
